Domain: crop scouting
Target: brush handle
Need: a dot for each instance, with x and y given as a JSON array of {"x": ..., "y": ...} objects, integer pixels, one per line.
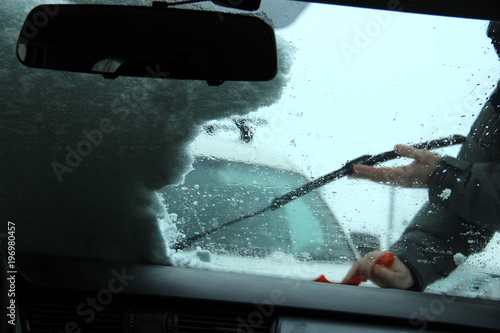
[{"x": 385, "y": 261}]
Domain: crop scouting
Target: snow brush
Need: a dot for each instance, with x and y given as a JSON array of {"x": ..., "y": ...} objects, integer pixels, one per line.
[
  {"x": 385, "y": 261},
  {"x": 346, "y": 170}
]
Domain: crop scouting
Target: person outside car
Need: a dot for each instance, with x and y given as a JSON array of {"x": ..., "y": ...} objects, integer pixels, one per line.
[{"x": 463, "y": 211}]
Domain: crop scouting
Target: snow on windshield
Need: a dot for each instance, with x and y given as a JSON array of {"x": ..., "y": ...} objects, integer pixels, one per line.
[{"x": 81, "y": 148}]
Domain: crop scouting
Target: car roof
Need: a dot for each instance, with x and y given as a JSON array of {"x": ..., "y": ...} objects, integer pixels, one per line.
[{"x": 235, "y": 150}]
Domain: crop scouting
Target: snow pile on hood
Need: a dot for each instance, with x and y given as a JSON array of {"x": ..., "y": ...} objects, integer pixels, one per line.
[{"x": 82, "y": 156}]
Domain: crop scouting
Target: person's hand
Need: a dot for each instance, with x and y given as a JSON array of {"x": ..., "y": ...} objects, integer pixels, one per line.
[
  {"x": 398, "y": 276},
  {"x": 417, "y": 174}
]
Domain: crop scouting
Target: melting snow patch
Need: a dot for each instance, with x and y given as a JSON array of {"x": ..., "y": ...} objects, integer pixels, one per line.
[
  {"x": 203, "y": 255},
  {"x": 445, "y": 194},
  {"x": 459, "y": 259},
  {"x": 493, "y": 292}
]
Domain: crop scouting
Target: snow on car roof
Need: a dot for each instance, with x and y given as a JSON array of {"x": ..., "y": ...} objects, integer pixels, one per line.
[{"x": 235, "y": 150}]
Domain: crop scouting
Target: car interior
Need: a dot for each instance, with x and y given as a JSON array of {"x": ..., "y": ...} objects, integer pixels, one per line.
[{"x": 99, "y": 185}]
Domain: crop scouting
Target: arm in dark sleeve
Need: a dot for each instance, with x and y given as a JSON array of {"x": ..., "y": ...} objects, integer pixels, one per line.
[
  {"x": 470, "y": 191},
  {"x": 461, "y": 217},
  {"x": 463, "y": 212}
]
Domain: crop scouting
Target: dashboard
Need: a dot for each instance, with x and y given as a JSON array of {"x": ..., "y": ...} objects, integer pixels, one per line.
[{"x": 64, "y": 295}]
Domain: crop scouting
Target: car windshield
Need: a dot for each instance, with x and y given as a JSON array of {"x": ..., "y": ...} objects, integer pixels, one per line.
[
  {"x": 186, "y": 157},
  {"x": 221, "y": 191}
]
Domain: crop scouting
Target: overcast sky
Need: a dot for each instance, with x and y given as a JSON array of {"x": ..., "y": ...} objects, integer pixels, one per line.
[{"x": 365, "y": 80}]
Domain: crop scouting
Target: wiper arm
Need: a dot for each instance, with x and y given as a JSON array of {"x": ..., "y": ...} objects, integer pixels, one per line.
[{"x": 346, "y": 170}]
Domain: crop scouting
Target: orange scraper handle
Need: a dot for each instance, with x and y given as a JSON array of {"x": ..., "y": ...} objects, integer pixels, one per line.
[{"x": 385, "y": 261}]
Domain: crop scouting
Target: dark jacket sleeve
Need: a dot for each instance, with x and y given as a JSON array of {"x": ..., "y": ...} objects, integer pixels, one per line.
[
  {"x": 470, "y": 191},
  {"x": 431, "y": 241},
  {"x": 463, "y": 211}
]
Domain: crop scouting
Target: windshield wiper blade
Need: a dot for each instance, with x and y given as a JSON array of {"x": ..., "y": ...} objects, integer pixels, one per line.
[
  {"x": 188, "y": 241},
  {"x": 346, "y": 170}
]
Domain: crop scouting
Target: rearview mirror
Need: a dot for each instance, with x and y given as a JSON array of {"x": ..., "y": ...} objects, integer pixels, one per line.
[{"x": 148, "y": 42}]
